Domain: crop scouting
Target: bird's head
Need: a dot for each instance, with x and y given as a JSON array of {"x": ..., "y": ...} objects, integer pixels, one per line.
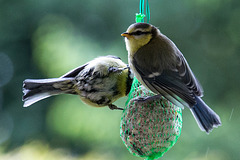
[{"x": 138, "y": 35}]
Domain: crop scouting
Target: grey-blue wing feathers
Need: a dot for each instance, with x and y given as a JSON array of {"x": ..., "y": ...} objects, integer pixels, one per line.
[
  {"x": 74, "y": 72},
  {"x": 169, "y": 74},
  {"x": 177, "y": 85}
]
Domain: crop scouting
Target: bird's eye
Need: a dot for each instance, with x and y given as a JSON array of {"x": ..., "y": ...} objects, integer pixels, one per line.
[{"x": 138, "y": 33}]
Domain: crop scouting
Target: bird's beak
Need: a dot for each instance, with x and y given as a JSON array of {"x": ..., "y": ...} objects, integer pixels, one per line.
[{"x": 125, "y": 34}]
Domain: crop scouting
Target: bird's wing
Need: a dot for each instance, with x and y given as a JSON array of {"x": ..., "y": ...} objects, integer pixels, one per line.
[
  {"x": 74, "y": 72},
  {"x": 187, "y": 76},
  {"x": 177, "y": 85}
]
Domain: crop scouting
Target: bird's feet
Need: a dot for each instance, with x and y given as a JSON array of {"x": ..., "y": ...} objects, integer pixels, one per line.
[
  {"x": 141, "y": 100},
  {"x": 114, "y": 107}
]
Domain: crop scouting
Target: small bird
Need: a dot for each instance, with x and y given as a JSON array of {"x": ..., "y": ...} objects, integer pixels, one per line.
[
  {"x": 160, "y": 66},
  {"x": 99, "y": 83}
]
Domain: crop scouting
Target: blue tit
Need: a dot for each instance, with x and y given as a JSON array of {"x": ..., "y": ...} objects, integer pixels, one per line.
[
  {"x": 99, "y": 83},
  {"x": 160, "y": 66}
]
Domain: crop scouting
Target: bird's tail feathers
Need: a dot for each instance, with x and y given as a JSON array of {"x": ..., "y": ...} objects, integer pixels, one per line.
[
  {"x": 35, "y": 90},
  {"x": 206, "y": 118}
]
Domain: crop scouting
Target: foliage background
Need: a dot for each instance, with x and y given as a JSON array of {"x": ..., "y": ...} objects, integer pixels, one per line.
[{"x": 45, "y": 39}]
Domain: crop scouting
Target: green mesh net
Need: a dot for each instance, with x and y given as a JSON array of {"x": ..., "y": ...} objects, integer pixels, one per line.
[{"x": 149, "y": 129}]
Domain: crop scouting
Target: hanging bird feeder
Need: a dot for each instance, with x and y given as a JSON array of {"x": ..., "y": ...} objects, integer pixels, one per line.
[{"x": 149, "y": 129}]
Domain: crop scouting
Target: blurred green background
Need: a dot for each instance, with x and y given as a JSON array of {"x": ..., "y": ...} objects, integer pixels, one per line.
[{"x": 45, "y": 39}]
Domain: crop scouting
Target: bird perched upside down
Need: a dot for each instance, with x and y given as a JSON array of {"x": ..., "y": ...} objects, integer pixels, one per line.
[
  {"x": 160, "y": 66},
  {"x": 99, "y": 83}
]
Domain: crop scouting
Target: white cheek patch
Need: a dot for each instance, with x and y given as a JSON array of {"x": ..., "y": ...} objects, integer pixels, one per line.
[
  {"x": 154, "y": 74},
  {"x": 138, "y": 37}
]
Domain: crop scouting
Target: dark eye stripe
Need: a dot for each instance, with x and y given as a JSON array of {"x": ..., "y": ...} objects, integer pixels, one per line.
[{"x": 139, "y": 33}]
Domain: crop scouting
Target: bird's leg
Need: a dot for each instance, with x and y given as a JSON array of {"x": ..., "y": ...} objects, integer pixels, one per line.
[
  {"x": 114, "y": 107},
  {"x": 147, "y": 99}
]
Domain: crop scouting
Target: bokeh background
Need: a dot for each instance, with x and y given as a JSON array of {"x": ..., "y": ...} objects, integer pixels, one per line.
[{"x": 45, "y": 39}]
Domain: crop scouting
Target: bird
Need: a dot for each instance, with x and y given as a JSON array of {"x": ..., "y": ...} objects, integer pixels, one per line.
[
  {"x": 160, "y": 66},
  {"x": 99, "y": 83}
]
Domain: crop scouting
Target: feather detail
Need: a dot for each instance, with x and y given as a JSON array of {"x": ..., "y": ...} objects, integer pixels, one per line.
[
  {"x": 206, "y": 118},
  {"x": 35, "y": 90}
]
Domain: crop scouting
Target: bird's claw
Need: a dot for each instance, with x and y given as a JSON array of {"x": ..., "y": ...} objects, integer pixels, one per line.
[
  {"x": 114, "y": 107},
  {"x": 140, "y": 100}
]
